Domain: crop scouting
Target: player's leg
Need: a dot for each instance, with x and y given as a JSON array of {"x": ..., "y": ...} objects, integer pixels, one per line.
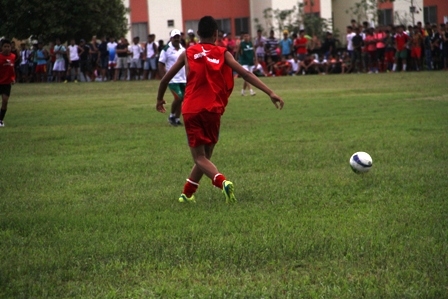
[
  {"x": 5, "y": 91},
  {"x": 178, "y": 90},
  {"x": 404, "y": 57}
]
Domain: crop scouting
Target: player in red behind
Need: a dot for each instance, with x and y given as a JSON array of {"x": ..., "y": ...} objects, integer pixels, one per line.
[
  {"x": 7, "y": 76},
  {"x": 209, "y": 85}
]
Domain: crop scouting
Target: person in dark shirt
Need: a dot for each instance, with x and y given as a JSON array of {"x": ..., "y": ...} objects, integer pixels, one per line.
[
  {"x": 271, "y": 45},
  {"x": 444, "y": 40},
  {"x": 103, "y": 58},
  {"x": 357, "y": 50},
  {"x": 329, "y": 45},
  {"x": 122, "y": 62},
  {"x": 85, "y": 63},
  {"x": 435, "y": 46}
]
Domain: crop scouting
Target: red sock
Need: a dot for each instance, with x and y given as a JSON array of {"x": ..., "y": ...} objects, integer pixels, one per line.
[
  {"x": 190, "y": 187},
  {"x": 218, "y": 179}
]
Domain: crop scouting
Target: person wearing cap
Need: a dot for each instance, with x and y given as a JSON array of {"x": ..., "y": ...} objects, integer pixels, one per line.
[
  {"x": 168, "y": 56},
  {"x": 191, "y": 40},
  {"x": 285, "y": 44}
]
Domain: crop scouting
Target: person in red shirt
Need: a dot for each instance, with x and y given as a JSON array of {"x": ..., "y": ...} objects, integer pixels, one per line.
[
  {"x": 209, "y": 85},
  {"x": 220, "y": 40},
  {"x": 7, "y": 76},
  {"x": 282, "y": 68},
  {"x": 401, "y": 41},
  {"x": 370, "y": 41},
  {"x": 300, "y": 44}
]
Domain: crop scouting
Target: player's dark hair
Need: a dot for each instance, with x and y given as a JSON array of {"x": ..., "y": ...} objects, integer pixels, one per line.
[
  {"x": 350, "y": 27},
  {"x": 5, "y": 41},
  {"x": 207, "y": 27}
]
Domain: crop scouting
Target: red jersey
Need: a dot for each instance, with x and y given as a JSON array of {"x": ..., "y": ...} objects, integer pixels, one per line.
[
  {"x": 209, "y": 80},
  {"x": 303, "y": 42},
  {"x": 401, "y": 40},
  {"x": 7, "y": 74}
]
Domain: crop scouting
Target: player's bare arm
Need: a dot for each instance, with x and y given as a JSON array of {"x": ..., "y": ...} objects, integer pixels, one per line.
[
  {"x": 161, "y": 68},
  {"x": 166, "y": 79},
  {"x": 252, "y": 79}
]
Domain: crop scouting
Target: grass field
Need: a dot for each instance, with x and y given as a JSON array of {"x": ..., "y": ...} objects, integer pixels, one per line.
[{"x": 90, "y": 175}]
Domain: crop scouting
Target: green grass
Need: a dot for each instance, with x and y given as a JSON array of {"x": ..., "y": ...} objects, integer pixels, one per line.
[{"x": 90, "y": 176}]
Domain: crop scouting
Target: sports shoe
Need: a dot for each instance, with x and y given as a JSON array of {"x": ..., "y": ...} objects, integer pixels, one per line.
[
  {"x": 172, "y": 121},
  {"x": 179, "y": 123},
  {"x": 227, "y": 189},
  {"x": 1, "y": 123},
  {"x": 252, "y": 93},
  {"x": 243, "y": 93},
  {"x": 184, "y": 198},
  {"x": 76, "y": 81}
]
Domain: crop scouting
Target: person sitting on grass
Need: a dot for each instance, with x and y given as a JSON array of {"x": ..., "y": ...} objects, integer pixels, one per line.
[
  {"x": 322, "y": 64},
  {"x": 283, "y": 67},
  {"x": 209, "y": 85},
  {"x": 292, "y": 59},
  {"x": 309, "y": 65}
]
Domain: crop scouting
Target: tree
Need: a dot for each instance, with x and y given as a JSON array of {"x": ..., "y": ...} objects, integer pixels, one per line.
[
  {"x": 64, "y": 19},
  {"x": 366, "y": 10}
]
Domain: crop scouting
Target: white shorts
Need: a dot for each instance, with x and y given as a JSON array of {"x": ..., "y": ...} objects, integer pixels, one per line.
[
  {"x": 249, "y": 68},
  {"x": 59, "y": 66},
  {"x": 135, "y": 63}
]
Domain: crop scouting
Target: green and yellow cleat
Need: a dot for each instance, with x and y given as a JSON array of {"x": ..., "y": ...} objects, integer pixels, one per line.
[
  {"x": 228, "y": 189},
  {"x": 184, "y": 198}
]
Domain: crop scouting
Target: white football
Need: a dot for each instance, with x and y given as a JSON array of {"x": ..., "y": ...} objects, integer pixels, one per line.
[{"x": 361, "y": 162}]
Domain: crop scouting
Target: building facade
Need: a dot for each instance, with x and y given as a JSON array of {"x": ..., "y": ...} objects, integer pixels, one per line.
[{"x": 236, "y": 16}]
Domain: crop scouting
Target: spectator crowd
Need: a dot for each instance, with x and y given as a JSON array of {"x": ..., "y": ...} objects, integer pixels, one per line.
[{"x": 362, "y": 49}]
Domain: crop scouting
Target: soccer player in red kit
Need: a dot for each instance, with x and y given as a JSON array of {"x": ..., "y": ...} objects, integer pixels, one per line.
[
  {"x": 7, "y": 76},
  {"x": 209, "y": 85}
]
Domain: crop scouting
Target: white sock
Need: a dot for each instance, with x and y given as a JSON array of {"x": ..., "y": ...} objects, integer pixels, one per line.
[
  {"x": 394, "y": 68},
  {"x": 404, "y": 67},
  {"x": 172, "y": 115}
]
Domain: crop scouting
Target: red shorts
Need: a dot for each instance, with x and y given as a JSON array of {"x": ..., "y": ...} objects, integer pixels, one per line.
[
  {"x": 416, "y": 52},
  {"x": 389, "y": 56},
  {"x": 41, "y": 69},
  {"x": 202, "y": 128}
]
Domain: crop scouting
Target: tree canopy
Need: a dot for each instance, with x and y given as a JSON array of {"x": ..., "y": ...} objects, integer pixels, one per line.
[{"x": 64, "y": 19}]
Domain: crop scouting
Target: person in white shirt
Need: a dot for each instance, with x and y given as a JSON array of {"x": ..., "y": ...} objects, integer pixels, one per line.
[
  {"x": 294, "y": 65},
  {"x": 349, "y": 38},
  {"x": 73, "y": 52},
  {"x": 151, "y": 53},
  {"x": 112, "y": 50},
  {"x": 136, "y": 55},
  {"x": 168, "y": 56}
]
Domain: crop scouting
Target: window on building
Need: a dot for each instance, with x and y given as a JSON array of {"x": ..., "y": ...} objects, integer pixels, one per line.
[
  {"x": 191, "y": 25},
  {"x": 140, "y": 30},
  {"x": 241, "y": 25},
  {"x": 385, "y": 16},
  {"x": 224, "y": 25},
  {"x": 430, "y": 14},
  {"x": 170, "y": 23}
]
